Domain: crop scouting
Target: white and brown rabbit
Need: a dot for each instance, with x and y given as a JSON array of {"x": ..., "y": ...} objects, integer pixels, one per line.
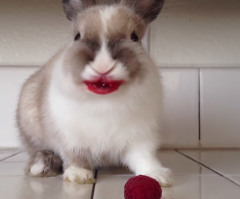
[{"x": 97, "y": 102}]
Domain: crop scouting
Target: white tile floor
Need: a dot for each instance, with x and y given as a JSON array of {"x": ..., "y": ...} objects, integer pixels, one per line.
[{"x": 206, "y": 174}]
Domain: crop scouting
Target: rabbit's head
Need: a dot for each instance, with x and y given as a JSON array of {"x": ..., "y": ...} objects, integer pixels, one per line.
[{"x": 106, "y": 51}]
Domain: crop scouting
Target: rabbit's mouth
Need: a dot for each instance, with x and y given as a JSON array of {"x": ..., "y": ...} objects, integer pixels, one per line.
[{"x": 103, "y": 86}]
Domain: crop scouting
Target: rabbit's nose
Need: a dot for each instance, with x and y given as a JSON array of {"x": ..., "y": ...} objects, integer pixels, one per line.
[
  {"x": 103, "y": 70},
  {"x": 103, "y": 63}
]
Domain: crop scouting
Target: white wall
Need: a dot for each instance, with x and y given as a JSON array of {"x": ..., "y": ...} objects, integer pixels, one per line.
[
  {"x": 11, "y": 80},
  {"x": 197, "y": 33},
  {"x": 31, "y": 31},
  {"x": 188, "y": 33}
]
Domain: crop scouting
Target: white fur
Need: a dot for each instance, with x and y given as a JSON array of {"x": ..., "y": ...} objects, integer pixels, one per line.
[
  {"x": 106, "y": 16},
  {"x": 80, "y": 175},
  {"x": 116, "y": 125},
  {"x": 106, "y": 124},
  {"x": 119, "y": 72},
  {"x": 103, "y": 62},
  {"x": 37, "y": 168},
  {"x": 141, "y": 160}
]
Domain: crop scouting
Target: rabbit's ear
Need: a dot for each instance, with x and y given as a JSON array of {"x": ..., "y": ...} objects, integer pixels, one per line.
[
  {"x": 147, "y": 9},
  {"x": 73, "y": 7}
]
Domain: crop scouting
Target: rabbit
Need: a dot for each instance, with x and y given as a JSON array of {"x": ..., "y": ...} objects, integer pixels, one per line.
[{"x": 97, "y": 102}]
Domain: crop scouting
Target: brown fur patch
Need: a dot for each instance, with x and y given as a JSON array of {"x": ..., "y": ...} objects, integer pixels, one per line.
[
  {"x": 53, "y": 164},
  {"x": 124, "y": 52},
  {"x": 118, "y": 30},
  {"x": 76, "y": 58},
  {"x": 31, "y": 112},
  {"x": 147, "y": 9},
  {"x": 123, "y": 23},
  {"x": 89, "y": 24}
]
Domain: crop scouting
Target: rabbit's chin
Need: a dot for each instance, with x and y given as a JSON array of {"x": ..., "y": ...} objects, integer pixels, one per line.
[{"x": 103, "y": 86}]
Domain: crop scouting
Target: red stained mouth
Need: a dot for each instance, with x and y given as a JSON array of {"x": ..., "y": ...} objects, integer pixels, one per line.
[{"x": 103, "y": 86}]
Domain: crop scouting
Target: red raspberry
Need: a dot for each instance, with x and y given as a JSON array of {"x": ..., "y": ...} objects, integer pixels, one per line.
[{"x": 142, "y": 187}]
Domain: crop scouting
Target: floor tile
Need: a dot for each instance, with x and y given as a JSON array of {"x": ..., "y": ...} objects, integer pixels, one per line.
[
  {"x": 20, "y": 157},
  {"x": 216, "y": 187},
  {"x": 22, "y": 187},
  {"x": 192, "y": 180},
  {"x": 186, "y": 175},
  {"x": 114, "y": 171},
  {"x": 4, "y": 153},
  {"x": 236, "y": 179},
  {"x": 110, "y": 186},
  {"x": 185, "y": 186},
  {"x": 12, "y": 168},
  {"x": 201, "y": 187},
  {"x": 179, "y": 164},
  {"x": 168, "y": 158},
  {"x": 225, "y": 162},
  {"x": 117, "y": 183}
]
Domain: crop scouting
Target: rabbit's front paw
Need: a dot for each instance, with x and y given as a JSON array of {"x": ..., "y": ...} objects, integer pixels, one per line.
[
  {"x": 163, "y": 176},
  {"x": 78, "y": 175}
]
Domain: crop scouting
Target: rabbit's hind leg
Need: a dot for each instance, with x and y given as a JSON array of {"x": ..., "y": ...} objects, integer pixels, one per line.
[{"x": 44, "y": 164}]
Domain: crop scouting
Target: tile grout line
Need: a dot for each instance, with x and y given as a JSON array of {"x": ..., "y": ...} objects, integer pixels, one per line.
[
  {"x": 200, "y": 184},
  {"x": 94, "y": 185},
  {"x": 216, "y": 172},
  {"x": 199, "y": 107},
  {"x": 11, "y": 156}
]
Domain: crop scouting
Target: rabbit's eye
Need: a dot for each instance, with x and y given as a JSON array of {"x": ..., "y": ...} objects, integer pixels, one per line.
[
  {"x": 77, "y": 37},
  {"x": 134, "y": 37}
]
